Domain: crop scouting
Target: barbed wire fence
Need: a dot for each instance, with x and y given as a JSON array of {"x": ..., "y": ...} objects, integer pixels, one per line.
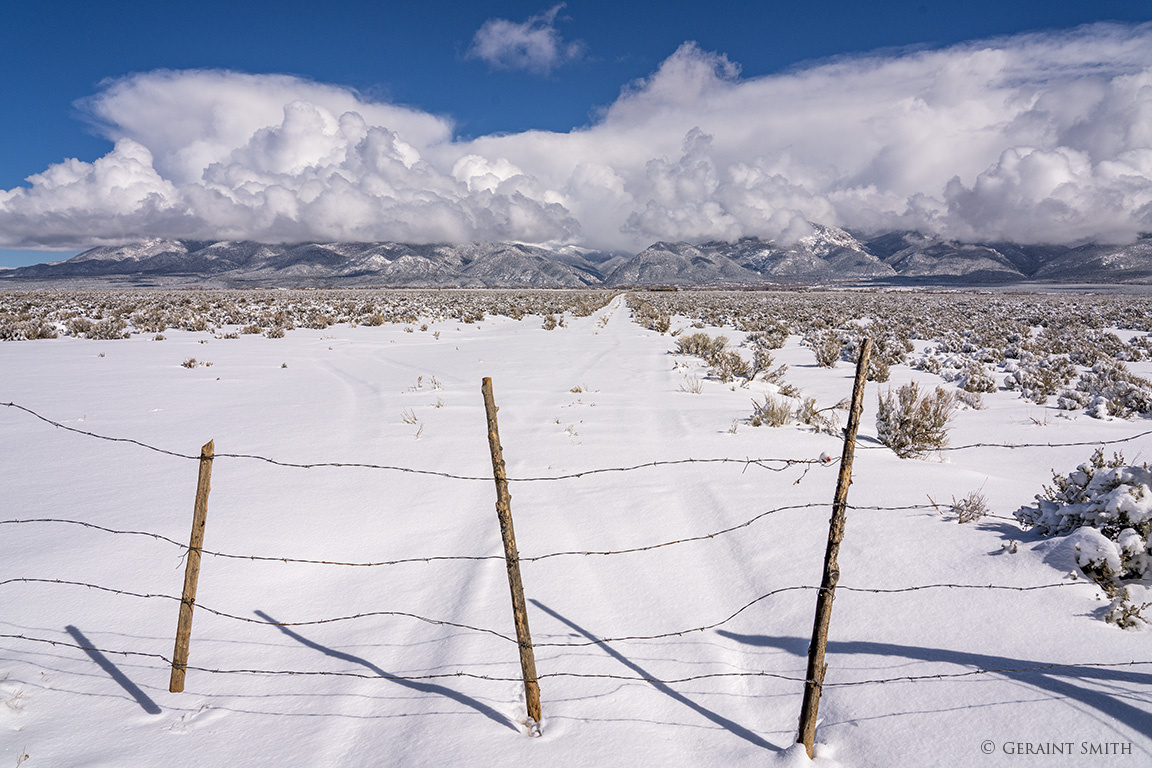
[{"x": 773, "y": 464}]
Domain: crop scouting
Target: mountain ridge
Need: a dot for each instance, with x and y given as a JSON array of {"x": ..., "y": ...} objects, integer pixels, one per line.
[{"x": 825, "y": 255}]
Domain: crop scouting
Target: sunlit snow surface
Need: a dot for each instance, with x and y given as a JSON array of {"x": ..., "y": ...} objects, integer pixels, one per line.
[{"x": 348, "y": 394}]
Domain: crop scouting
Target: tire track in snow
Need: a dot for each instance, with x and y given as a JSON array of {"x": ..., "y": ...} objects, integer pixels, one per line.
[{"x": 613, "y": 597}]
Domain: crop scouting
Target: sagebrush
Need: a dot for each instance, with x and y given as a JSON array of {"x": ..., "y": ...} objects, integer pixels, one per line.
[{"x": 914, "y": 424}]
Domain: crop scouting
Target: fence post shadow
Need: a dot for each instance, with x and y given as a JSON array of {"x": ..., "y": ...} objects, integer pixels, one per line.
[
  {"x": 723, "y": 722},
  {"x": 102, "y": 661},
  {"x": 415, "y": 685},
  {"x": 1054, "y": 680}
]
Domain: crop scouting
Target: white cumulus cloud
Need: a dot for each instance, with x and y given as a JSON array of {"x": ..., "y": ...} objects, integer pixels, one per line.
[
  {"x": 533, "y": 45},
  {"x": 1037, "y": 138}
]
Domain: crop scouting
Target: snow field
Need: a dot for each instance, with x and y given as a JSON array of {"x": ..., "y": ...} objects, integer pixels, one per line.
[{"x": 344, "y": 397}]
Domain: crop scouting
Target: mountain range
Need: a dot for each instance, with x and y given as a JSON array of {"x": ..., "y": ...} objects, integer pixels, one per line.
[{"x": 827, "y": 255}]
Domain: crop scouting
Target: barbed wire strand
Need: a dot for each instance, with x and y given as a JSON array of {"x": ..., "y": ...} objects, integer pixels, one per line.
[
  {"x": 804, "y": 587},
  {"x": 248, "y": 620},
  {"x": 265, "y": 558},
  {"x": 600, "y": 641},
  {"x": 1017, "y": 445},
  {"x": 786, "y": 461},
  {"x": 1048, "y": 445},
  {"x": 435, "y": 558},
  {"x": 57, "y": 424},
  {"x": 582, "y": 675},
  {"x": 86, "y": 524},
  {"x": 763, "y": 463},
  {"x": 581, "y": 644},
  {"x": 847, "y": 683},
  {"x": 686, "y": 540},
  {"x": 474, "y": 558},
  {"x": 196, "y": 457}
]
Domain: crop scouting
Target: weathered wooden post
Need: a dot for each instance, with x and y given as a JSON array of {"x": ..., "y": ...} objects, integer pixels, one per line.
[
  {"x": 814, "y": 679},
  {"x": 512, "y": 559},
  {"x": 192, "y": 571}
]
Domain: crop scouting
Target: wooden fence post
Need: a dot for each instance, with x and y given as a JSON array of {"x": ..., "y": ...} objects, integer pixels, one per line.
[
  {"x": 192, "y": 571},
  {"x": 814, "y": 679},
  {"x": 512, "y": 559}
]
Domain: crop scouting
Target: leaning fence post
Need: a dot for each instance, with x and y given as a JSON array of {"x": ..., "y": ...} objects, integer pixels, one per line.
[
  {"x": 192, "y": 571},
  {"x": 504, "y": 512},
  {"x": 814, "y": 679}
]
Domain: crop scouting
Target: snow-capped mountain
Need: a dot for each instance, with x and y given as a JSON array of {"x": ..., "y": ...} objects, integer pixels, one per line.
[
  {"x": 682, "y": 264},
  {"x": 394, "y": 264},
  {"x": 826, "y": 255},
  {"x": 913, "y": 255},
  {"x": 1101, "y": 263}
]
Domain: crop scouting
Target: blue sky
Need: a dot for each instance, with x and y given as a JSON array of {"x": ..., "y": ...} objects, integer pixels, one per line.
[{"x": 492, "y": 94}]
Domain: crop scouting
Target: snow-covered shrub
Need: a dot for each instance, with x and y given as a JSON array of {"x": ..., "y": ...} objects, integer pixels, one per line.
[
  {"x": 585, "y": 306},
  {"x": 929, "y": 363},
  {"x": 692, "y": 385},
  {"x": 645, "y": 314},
  {"x": 970, "y": 508},
  {"x": 1109, "y": 389},
  {"x": 888, "y": 349},
  {"x": 25, "y": 330},
  {"x": 1094, "y": 345},
  {"x": 151, "y": 320},
  {"x": 318, "y": 321},
  {"x": 193, "y": 323},
  {"x": 78, "y": 326},
  {"x": 1039, "y": 378},
  {"x": 879, "y": 370},
  {"x": 977, "y": 378},
  {"x": 726, "y": 364},
  {"x": 913, "y": 425},
  {"x": 549, "y": 322},
  {"x": 776, "y": 411},
  {"x": 773, "y": 412},
  {"x": 949, "y": 366},
  {"x": 762, "y": 362},
  {"x": 973, "y": 400},
  {"x": 701, "y": 345},
  {"x": 110, "y": 328},
  {"x": 827, "y": 347},
  {"x": 820, "y": 419},
  {"x": 1110, "y": 497},
  {"x": 786, "y": 389},
  {"x": 770, "y": 335},
  {"x": 1125, "y": 613},
  {"x": 1140, "y": 348},
  {"x": 204, "y": 310}
]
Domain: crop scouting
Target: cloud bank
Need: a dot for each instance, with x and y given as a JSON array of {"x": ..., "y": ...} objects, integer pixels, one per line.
[{"x": 1039, "y": 138}]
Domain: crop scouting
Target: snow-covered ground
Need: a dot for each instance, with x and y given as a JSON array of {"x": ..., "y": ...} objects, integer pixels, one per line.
[{"x": 601, "y": 392}]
